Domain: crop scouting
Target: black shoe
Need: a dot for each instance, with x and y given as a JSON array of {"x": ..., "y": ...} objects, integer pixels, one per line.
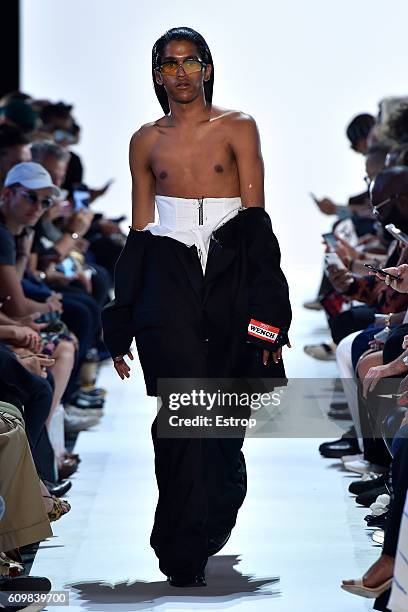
[
  {"x": 369, "y": 497},
  {"x": 92, "y": 391},
  {"x": 376, "y": 521},
  {"x": 186, "y": 581},
  {"x": 339, "y": 415},
  {"x": 349, "y": 436},
  {"x": 339, "y": 448},
  {"x": 83, "y": 401},
  {"x": 339, "y": 406},
  {"x": 58, "y": 489},
  {"x": 361, "y": 486},
  {"x": 215, "y": 544}
]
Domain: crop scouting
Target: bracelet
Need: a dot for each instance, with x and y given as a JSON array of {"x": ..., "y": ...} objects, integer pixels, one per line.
[{"x": 118, "y": 358}]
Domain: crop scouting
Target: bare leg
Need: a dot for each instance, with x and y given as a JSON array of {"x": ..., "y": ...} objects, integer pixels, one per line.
[
  {"x": 369, "y": 361},
  {"x": 64, "y": 362}
]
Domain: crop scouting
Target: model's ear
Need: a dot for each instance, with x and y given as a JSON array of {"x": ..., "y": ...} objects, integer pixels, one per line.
[
  {"x": 158, "y": 77},
  {"x": 207, "y": 72}
]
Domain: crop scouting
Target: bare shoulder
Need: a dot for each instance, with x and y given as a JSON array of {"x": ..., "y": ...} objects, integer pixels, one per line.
[
  {"x": 143, "y": 135},
  {"x": 232, "y": 117},
  {"x": 237, "y": 124}
]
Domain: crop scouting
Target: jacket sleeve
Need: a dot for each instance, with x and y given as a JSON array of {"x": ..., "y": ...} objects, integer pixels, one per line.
[
  {"x": 270, "y": 312},
  {"x": 117, "y": 316}
]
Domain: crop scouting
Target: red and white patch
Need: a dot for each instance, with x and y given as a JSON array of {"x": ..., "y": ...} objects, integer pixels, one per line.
[{"x": 263, "y": 331}]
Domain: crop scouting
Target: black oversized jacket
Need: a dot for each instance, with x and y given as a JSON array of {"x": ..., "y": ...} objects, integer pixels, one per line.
[{"x": 162, "y": 299}]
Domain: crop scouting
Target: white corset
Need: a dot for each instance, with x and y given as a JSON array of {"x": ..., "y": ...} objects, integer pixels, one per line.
[{"x": 193, "y": 220}]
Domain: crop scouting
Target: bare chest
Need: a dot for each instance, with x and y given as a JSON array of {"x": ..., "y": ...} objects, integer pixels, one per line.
[{"x": 187, "y": 162}]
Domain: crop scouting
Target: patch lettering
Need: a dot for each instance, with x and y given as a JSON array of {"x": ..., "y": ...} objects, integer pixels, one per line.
[{"x": 263, "y": 330}]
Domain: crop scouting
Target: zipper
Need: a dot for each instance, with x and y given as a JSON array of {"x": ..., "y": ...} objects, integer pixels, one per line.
[
  {"x": 200, "y": 211},
  {"x": 200, "y": 222}
]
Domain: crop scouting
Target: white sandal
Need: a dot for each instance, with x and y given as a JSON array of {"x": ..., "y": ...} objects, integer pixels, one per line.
[{"x": 358, "y": 588}]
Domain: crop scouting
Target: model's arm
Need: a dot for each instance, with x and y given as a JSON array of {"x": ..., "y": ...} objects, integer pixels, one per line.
[
  {"x": 143, "y": 180},
  {"x": 246, "y": 146}
]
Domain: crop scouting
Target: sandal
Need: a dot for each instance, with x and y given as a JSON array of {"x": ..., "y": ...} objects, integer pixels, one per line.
[
  {"x": 358, "y": 588},
  {"x": 10, "y": 568},
  {"x": 60, "y": 507}
]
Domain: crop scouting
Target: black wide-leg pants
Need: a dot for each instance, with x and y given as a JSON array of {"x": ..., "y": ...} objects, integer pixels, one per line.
[{"x": 202, "y": 482}]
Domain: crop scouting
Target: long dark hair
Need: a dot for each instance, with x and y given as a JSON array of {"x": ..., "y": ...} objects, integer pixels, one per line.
[{"x": 182, "y": 33}]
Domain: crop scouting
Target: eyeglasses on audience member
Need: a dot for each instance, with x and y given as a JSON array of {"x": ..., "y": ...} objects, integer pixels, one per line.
[{"x": 33, "y": 198}]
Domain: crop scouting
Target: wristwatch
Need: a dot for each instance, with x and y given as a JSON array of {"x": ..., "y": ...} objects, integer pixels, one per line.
[{"x": 388, "y": 319}]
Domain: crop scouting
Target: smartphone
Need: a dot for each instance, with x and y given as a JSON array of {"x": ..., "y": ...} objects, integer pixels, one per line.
[
  {"x": 332, "y": 259},
  {"x": 330, "y": 240},
  {"x": 383, "y": 272},
  {"x": 396, "y": 233},
  {"x": 81, "y": 198},
  {"x": 48, "y": 317},
  {"x": 67, "y": 267}
]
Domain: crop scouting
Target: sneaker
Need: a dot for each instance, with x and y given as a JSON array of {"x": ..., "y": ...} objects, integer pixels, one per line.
[
  {"x": 74, "y": 423},
  {"x": 312, "y": 305},
  {"x": 323, "y": 351}
]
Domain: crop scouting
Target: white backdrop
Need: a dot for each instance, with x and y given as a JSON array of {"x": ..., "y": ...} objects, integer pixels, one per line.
[{"x": 302, "y": 69}]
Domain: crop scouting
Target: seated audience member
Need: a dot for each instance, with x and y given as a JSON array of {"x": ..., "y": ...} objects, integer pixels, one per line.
[
  {"x": 358, "y": 207},
  {"x": 357, "y": 132},
  {"x": 105, "y": 237},
  {"x": 14, "y": 148},
  {"x": 390, "y": 204},
  {"x": 20, "y": 114}
]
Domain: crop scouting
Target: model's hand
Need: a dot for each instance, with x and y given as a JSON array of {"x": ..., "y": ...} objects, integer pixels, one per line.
[
  {"x": 121, "y": 366},
  {"x": 276, "y": 355}
]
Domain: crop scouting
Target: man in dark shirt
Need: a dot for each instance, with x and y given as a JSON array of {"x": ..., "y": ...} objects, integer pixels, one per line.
[{"x": 27, "y": 192}]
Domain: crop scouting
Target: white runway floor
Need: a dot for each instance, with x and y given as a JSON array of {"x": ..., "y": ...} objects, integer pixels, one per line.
[{"x": 298, "y": 521}]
